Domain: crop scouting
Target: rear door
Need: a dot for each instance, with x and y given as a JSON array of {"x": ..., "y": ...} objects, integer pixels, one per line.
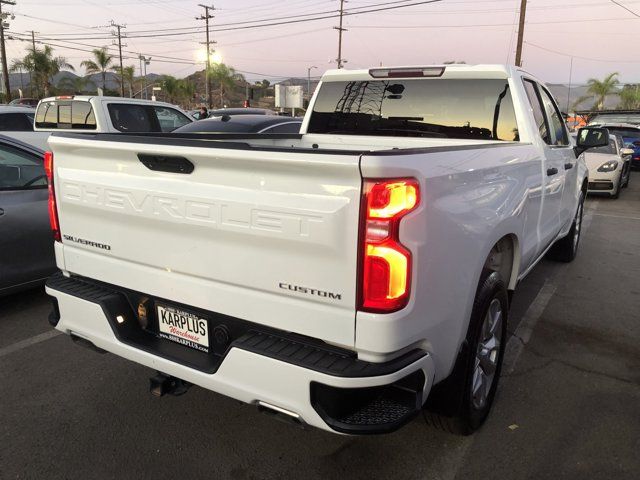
[
  {"x": 553, "y": 173},
  {"x": 562, "y": 149},
  {"x": 268, "y": 236}
]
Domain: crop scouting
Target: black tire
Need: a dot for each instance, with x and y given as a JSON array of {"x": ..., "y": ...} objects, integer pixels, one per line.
[
  {"x": 566, "y": 249},
  {"x": 451, "y": 405},
  {"x": 626, "y": 182}
]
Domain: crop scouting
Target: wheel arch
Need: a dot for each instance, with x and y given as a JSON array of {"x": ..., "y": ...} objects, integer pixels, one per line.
[{"x": 504, "y": 258}]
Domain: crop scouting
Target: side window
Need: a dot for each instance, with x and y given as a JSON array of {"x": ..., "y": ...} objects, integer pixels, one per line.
[
  {"x": 15, "y": 122},
  {"x": 20, "y": 170},
  {"x": 170, "y": 119},
  {"x": 538, "y": 110},
  {"x": 556, "y": 122},
  {"x": 131, "y": 118}
]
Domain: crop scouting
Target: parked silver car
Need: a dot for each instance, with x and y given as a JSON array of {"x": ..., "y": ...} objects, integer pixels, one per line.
[{"x": 26, "y": 246}]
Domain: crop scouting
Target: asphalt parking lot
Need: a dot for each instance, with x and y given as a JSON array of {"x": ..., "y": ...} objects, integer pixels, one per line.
[{"x": 567, "y": 405}]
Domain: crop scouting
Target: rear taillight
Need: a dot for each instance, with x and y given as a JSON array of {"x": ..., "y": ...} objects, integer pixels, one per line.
[
  {"x": 53, "y": 210},
  {"x": 385, "y": 273}
]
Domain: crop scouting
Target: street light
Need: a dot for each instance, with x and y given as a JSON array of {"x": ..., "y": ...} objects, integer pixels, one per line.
[
  {"x": 309, "y": 81},
  {"x": 144, "y": 61}
]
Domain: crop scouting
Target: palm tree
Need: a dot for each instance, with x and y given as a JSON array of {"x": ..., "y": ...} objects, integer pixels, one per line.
[
  {"x": 225, "y": 76},
  {"x": 171, "y": 88},
  {"x": 24, "y": 64},
  {"x": 600, "y": 90},
  {"x": 42, "y": 66},
  {"x": 188, "y": 90},
  {"x": 101, "y": 62},
  {"x": 127, "y": 76},
  {"x": 630, "y": 97}
]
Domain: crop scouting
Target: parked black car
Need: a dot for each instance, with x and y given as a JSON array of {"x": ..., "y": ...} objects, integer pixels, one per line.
[
  {"x": 244, "y": 124},
  {"x": 26, "y": 242}
]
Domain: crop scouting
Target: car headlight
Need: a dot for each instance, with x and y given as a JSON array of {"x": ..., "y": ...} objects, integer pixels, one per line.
[{"x": 609, "y": 166}]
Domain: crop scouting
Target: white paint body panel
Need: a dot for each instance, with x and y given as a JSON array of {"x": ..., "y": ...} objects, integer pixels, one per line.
[
  {"x": 247, "y": 219},
  {"x": 243, "y": 375}
]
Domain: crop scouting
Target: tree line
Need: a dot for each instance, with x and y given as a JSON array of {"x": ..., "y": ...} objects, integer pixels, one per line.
[
  {"x": 42, "y": 66},
  {"x": 599, "y": 90}
]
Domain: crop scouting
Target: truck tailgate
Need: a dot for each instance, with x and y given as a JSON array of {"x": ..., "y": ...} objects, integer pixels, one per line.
[{"x": 268, "y": 236}]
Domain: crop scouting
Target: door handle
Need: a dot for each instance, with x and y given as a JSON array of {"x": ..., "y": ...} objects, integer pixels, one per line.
[
  {"x": 551, "y": 171},
  {"x": 568, "y": 166},
  {"x": 166, "y": 163}
]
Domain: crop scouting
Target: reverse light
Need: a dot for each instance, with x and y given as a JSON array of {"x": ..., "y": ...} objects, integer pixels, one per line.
[
  {"x": 53, "y": 210},
  {"x": 609, "y": 166},
  {"x": 386, "y": 263}
]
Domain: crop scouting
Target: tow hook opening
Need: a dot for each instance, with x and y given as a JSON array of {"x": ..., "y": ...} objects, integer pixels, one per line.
[
  {"x": 281, "y": 414},
  {"x": 83, "y": 342},
  {"x": 163, "y": 384}
]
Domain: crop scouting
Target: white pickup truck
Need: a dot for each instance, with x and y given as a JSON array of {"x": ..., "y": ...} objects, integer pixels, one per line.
[{"x": 345, "y": 277}]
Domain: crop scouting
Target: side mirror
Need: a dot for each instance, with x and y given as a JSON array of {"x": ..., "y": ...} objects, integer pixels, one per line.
[
  {"x": 591, "y": 137},
  {"x": 627, "y": 151}
]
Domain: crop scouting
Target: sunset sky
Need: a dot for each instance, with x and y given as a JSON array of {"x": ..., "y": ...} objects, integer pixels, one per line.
[{"x": 598, "y": 34}]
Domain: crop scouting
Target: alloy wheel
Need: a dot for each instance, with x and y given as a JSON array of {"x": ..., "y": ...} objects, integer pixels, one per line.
[{"x": 487, "y": 353}]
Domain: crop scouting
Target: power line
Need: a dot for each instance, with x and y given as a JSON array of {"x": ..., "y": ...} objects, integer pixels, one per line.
[
  {"x": 241, "y": 26},
  {"x": 578, "y": 56},
  {"x": 627, "y": 9}
]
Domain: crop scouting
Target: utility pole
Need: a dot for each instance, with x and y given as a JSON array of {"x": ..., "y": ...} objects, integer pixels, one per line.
[
  {"x": 119, "y": 27},
  {"x": 570, "y": 79},
  {"x": 207, "y": 73},
  {"x": 340, "y": 30},
  {"x": 523, "y": 13},
  {"x": 31, "y": 82},
  {"x": 3, "y": 52}
]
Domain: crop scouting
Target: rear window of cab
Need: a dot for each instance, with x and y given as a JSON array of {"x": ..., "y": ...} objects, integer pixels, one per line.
[{"x": 65, "y": 114}]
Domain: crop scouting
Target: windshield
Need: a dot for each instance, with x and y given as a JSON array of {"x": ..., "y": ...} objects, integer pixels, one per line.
[
  {"x": 629, "y": 135},
  {"x": 439, "y": 108}
]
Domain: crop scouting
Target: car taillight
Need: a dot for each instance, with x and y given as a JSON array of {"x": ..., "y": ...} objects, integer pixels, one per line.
[
  {"x": 385, "y": 273},
  {"x": 53, "y": 210}
]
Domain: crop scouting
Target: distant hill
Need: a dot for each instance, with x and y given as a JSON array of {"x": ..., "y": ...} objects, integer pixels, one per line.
[{"x": 561, "y": 92}]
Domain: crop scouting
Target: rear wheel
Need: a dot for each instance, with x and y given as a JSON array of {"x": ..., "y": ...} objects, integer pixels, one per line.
[
  {"x": 565, "y": 249},
  {"x": 460, "y": 404}
]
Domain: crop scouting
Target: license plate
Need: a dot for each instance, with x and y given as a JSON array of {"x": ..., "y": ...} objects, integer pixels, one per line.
[{"x": 183, "y": 327}]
